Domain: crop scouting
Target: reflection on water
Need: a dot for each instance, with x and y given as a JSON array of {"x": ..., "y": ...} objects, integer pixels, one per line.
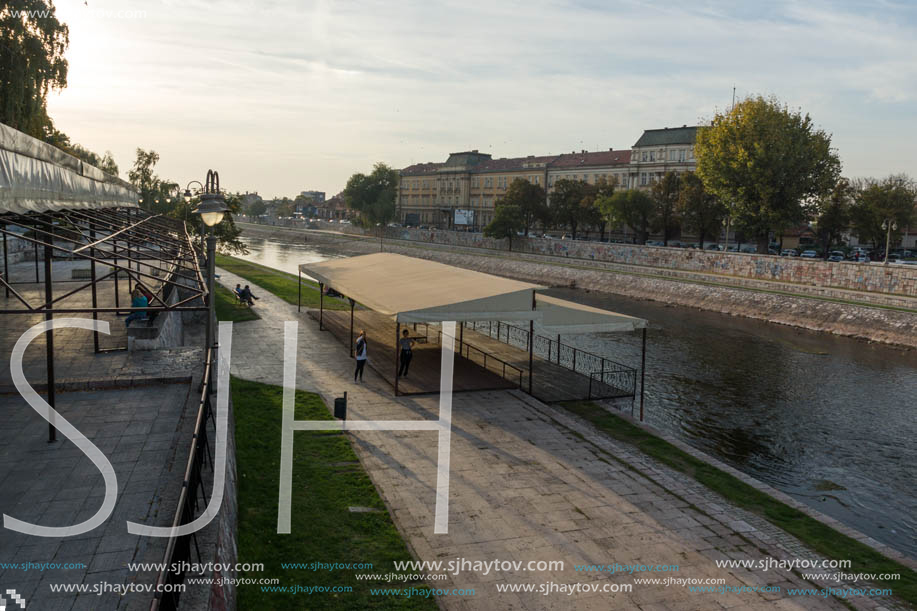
[
  {"x": 284, "y": 255},
  {"x": 826, "y": 419}
]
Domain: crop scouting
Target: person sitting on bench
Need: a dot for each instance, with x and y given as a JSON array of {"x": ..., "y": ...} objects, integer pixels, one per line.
[
  {"x": 238, "y": 291},
  {"x": 246, "y": 296},
  {"x": 138, "y": 300}
]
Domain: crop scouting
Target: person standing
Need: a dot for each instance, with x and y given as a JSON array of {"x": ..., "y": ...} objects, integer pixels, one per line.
[
  {"x": 359, "y": 351},
  {"x": 406, "y": 353}
]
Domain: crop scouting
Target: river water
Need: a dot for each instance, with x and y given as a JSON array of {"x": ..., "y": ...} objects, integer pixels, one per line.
[{"x": 828, "y": 420}]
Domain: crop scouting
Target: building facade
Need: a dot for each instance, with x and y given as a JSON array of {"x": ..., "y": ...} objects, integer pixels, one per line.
[{"x": 461, "y": 192}]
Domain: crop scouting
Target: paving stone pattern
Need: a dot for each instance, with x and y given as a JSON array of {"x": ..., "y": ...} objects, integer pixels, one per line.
[{"x": 528, "y": 483}]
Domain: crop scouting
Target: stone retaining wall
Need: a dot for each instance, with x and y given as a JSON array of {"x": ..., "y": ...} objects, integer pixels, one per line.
[
  {"x": 868, "y": 323},
  {"x": 890, "y": 279}
]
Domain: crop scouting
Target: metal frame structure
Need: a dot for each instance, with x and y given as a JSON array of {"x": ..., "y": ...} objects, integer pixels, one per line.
[{"x": 123, "y": 239}]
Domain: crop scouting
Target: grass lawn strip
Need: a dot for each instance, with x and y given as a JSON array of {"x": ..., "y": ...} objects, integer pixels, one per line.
[
  {"x": 229, "y": 308},
  {"x": 327, "y": 480},
  {"x": 281, "y": 284},
  {"x": 820, "y": 537}
]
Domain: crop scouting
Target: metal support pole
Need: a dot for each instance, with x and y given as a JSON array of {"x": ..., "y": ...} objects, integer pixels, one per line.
[
  {"x": 321, "y": 304},
  {"x": 299, "y": 293},
  {"x": 36, "y": 263},
  {"x": 461, "y": 336},
  {"x": 92, "y": 278},
  {"x": 642, "y": 373},
  {"x": 6, "y": 264},
  {"x": 531, "y": 344},
  {"x": 558, "y": 349},
  {"x": 49, "y": 342},
  {"x": 211, "y": 305},
  {"x": 397, "y": 333},
  {"x": 114, "y": 255},
  {"x": 351, "y": 328}
]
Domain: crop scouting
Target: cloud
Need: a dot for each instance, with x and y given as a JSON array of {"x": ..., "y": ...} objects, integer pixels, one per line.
[{"x": 329, "y": 87}]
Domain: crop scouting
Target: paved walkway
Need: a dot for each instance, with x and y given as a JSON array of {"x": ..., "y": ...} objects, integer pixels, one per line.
[{"x": 530, "y": 483}]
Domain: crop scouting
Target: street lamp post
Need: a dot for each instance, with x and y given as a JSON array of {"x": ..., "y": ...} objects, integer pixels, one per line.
[
  {"x": 381, "y": 229},
  {"x": 888, "y": 225},
  {"x": 725, "y": 224},
  {"x": 188, "y": 196},
  {"x": 212, "y": 208}
]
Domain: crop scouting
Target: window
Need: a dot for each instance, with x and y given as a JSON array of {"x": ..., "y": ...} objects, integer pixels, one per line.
[
  {"x": 672, "y": 154},
  {"x": 643, "y": 178},
  {"x": 691, "y": 153},
  {"x": 644, "y": 157},
  {"x": 652, "y": 155},
  {"x": 681, "y": 154},
  {"x": 585, "y": 177},
  {"x": 537, "y": 179}
]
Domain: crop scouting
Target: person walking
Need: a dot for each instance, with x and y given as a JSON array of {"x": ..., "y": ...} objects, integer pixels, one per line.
[
  {"x": 406, "y": 353},
  {"x": 359, "y": 351}
]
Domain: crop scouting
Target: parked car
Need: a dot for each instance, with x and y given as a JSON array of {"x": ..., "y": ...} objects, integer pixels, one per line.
[
  {"x": 714, "y": 247},
  {"x": 861, "y": 259},
  {"x": 809, "y": 254},
  {"x": 750, "y": 249},
  {"x": 773, "y": 251},
  {"x": 835, "y": 258},
  {"x": 789, "y": 252}
]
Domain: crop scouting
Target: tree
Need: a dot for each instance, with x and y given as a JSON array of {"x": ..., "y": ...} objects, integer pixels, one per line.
[
  {"x": 106, "y": 163},
  {"x": 32, "y": 63},
  {"x": 285, "y": 208},
  {"x": 700, "y": 211},
  {"x": 878, "y": 200},
  {"x": 530, "y": 199},
  {"x": 572, "y": 204},
  {"x": 833, "y": 215},
  {"x": 766, "y": 162},
  {"x": 256, "y": 208},
  {"x": 604, "y": 189},
  {"x": 665, "y": 196},
  {"x": 633, "y": 208},
  {"x": 508, "y": 221},
  {"x": 373, "y": 196},
  {"x": 142, "y": 176}
]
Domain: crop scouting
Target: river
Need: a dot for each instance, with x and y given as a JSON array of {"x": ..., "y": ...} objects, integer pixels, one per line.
[{"x": 828, "y": 420}]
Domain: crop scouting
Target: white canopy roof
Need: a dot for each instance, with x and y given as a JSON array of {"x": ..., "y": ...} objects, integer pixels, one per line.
[
  {"x": 418, "y": 290},
  {"x": 38, "y": 177}
]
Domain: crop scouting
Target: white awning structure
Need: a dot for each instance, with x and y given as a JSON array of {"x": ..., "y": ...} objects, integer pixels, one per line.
[
  {"x": 562, "y": 316},
  {"x": 417, "y": 290},
  {"x": 38, "y": 177}
]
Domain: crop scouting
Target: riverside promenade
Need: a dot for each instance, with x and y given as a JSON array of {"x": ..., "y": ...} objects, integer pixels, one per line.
[{"x": 529, "y": 482}]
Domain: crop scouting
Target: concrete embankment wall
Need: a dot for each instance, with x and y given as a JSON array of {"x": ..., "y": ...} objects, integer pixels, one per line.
[
  {"x": 864, "y": 322},
  {"x": 891, "y": 280}
]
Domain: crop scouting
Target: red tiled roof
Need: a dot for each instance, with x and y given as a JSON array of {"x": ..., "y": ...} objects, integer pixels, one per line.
[
  {"x": 420, "y": 169},
  {"x": 598, "y": 158}
]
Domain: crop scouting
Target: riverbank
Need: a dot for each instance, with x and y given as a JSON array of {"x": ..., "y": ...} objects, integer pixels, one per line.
[
  {"x": 840, "y": 312},
  {"x": 529, "y": 482}
]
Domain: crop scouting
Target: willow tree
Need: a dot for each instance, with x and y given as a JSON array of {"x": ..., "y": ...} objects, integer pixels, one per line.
[
  {"x": 32, "y": 63},
  {"x": 766, "y": 163}
]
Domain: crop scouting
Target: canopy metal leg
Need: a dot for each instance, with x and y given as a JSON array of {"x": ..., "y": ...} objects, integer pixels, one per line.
[
  {"x": 299, "y": 293},
  {"x": 49, "y": 342},
  {"x": 397, "y": 333},
  {"x": 6, "y": 265},
  {"x": 321, "y": 304},
  {"x": 351, "y": 327},
  {"x": 92, "y": 277},
  {"x": 642, "y": 374}
]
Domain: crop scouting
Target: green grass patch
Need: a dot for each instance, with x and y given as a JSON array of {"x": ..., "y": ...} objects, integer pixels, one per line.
[
  {"x": 820, "y": 537},
  {"x": 281, "y": 284},
  {"x": 327, "y": 479},
  {"x": 229, "y": 308}
]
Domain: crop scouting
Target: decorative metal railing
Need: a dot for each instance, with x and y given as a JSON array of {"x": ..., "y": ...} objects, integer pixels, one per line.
[{"x": 607, "y": 378}]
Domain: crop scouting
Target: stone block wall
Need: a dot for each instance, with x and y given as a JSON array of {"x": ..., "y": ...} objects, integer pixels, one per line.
[{"x": 890, "y": 279}]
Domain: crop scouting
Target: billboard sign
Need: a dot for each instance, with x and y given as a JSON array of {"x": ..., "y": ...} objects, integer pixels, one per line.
[{"x": 464, "y": 217}]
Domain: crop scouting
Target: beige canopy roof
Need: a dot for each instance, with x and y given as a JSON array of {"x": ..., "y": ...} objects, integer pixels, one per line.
[
  {"x": 562, "y": 316},
  {"x": 418, "y": 290}
]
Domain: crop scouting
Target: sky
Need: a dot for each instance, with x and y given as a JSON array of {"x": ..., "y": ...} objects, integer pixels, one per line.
[{"x": 281, "y": 96}]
